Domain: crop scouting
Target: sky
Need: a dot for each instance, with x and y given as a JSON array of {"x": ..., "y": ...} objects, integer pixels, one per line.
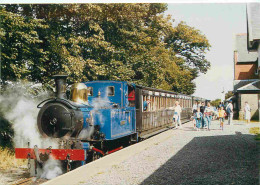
[{"x": 219, "y": 23}]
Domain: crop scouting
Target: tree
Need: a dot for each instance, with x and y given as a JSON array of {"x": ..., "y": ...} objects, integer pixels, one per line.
[
  {"x": 229, "y": 94},
  {"x": 133, "y": 42},
  {"x": 188, "y": 43},
  {"x": 6, "y": 132},
  {"x": 215, "y": 102},
  {"x": 21, "y": 54}
]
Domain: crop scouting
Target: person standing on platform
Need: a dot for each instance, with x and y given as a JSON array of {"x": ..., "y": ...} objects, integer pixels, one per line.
[
  {"x": 208, "y": 114},
  {"x": 199, "y": 104},
  {"x": 247, "y": 111},
  {"x": 220, "y": 105},
  {"x": 198, "y": 116},
  {"x": 177, "y": 115},
  {"x": 221, "y": 115},
  {"x": 195, "y": 107},
  {"x": 202, "y": 110},
  {"x": 194, "y": 110},
  {"x": 229, "y": 110}
]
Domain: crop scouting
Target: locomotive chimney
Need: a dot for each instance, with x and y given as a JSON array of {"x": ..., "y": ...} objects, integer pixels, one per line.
[{"x": 60, "y": 83}]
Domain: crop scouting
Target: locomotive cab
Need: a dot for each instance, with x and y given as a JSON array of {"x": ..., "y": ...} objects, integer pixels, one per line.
[{"x": 113, "y": 108}]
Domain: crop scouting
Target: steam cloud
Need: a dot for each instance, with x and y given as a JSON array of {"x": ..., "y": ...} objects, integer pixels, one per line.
[
  {"x": 51, "y": 169},
  {"x": 98, "y": 103},
  {"x": 21, "y": 111},
  {"x": 20, "y": 108}
]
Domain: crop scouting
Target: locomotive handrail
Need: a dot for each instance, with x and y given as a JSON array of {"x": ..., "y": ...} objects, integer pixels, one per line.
[
  {"x": 55, "y": 99},
  {"x": 38, "y": 106}
]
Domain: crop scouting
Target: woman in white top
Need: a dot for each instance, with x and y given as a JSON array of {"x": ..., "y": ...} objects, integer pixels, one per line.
[
  {"x": 208, "y": 114},
  {"x": 247, "y": 112},
  {"x": 194, "y": 110},
  {"x": 177, "y": 114},
  {"x": 194, "y": 107}
]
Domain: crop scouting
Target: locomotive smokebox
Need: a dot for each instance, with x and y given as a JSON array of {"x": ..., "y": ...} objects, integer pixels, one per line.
[{"x": 60, "y": 83}]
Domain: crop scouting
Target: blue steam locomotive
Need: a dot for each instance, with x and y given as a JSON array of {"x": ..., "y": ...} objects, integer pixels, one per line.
[{"x": 100, "y": 117}]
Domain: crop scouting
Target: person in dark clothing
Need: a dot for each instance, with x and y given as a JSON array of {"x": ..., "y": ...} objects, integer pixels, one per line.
[
  {"x": 202, "y": 109},
  {"x": 220, "y": 105}
]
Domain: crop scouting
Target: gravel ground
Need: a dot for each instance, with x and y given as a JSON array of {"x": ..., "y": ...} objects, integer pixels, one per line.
[
  {"x": 191, "y": 157},
  {"x": 13, "y": 174}
]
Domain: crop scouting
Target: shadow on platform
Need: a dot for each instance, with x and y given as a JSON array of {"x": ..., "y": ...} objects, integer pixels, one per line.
[{"x": 227, "y": 159}]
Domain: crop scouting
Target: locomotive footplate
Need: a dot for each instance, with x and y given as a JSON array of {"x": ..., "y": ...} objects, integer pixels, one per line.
[{"x": 57, "y": 154}]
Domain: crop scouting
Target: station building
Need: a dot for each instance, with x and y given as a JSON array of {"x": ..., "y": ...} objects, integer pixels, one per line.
[
  {"x": 245, "y": 73},
  {"x": 247, "y": 65}
]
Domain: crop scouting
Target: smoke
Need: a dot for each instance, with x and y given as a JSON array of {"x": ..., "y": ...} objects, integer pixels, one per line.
[
  {"x": 51, "y": 169},
  {"x": 97, "y": 116},
  {"x": 100, "y": 103},
  {"x": 18, "y": 104},
  {"x": 86, "y": 133}
]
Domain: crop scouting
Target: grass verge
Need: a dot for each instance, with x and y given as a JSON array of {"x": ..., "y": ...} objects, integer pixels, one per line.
[
  {"x": 256, "y": 131},
  {"x": 8, "y": 160}
]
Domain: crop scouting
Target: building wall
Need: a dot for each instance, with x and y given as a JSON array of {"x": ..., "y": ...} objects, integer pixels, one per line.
[
  {"x": 244, "y": 71},
  {"x": 252, "y": 100}
]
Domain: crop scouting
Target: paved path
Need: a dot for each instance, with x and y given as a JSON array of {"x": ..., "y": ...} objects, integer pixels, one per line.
[{"x": 178, "y": 156}]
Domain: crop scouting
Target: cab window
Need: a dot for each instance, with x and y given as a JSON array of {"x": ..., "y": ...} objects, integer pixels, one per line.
[
  {"x": 111, "y": 91},
  {"x": 90, "y": 91}
]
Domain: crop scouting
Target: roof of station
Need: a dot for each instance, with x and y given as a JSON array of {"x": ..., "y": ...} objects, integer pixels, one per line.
[
  {"x": 253, "y": 25},
  {"x": 251, "y": 87},
  {"x": 241, "y": 47}
]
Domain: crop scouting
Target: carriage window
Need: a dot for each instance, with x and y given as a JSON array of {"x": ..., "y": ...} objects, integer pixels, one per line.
[
  {"x": 111, "y": 91},
  {"x": 90, "y": 91},
  {"x": 146, "y": 103}
]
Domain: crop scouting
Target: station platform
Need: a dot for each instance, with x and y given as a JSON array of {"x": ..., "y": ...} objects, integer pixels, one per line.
[{"x": 178, "y": 156}]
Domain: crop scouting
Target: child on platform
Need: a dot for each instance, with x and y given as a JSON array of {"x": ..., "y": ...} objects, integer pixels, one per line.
[
  {"x": 221, "y": 115},
  {"x": 198, "y": 116}
]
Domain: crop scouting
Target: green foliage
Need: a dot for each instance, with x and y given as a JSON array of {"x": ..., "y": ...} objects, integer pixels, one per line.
[
  {"x": 21, "y": 54},
  {"x": 133, "y": 42},
  {"x": 215, "y": 102},
  {"x": 189, "y": 43},
  {"x": 6, "y": 132},
  {"x": 229, "y": 94}
]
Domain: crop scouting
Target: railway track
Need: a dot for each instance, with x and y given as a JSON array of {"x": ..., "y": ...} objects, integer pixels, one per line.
[
  {"x": 24, "y": 181},
  {"x": 29, "y": 181}
]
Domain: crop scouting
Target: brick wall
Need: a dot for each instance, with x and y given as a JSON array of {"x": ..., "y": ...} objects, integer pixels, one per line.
[{"x": 244, "y": 71}]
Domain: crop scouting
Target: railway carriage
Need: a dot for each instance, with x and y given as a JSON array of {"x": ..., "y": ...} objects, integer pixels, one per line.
[
  {"x": 101, "y": 117},
  {"x": 159, "y": 113}
]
